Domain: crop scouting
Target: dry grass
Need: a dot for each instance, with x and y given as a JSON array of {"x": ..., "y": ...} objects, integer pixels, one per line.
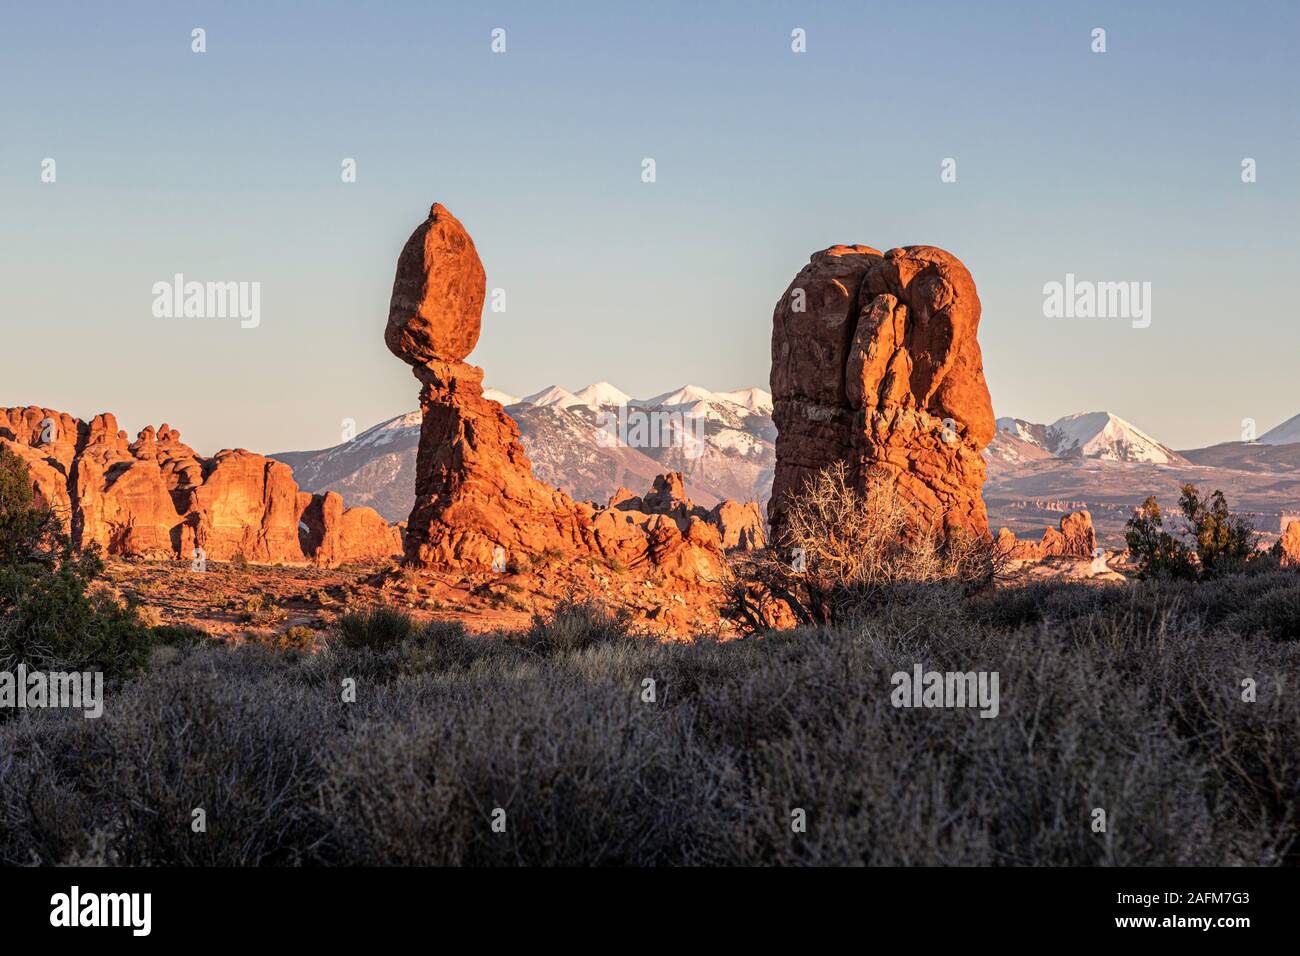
[{"x": 1127, "y": 699}]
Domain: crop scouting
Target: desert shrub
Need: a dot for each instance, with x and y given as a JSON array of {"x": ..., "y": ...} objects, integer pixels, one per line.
[
  {"x": 296, "y": 638},
  {"x": 583, "y": 773},
  {"x": 1222, "y": 542},
  {"x": 377, "y": 629},
  {"x": 445, "y": 645},
  {"x": 179, "y": 635},
  {"x": 575, "y": 626},
  {"x": 1039, "y": 601},
  {"x": 1275, "y": 614},
  {"x": 1157, "y": 553},
  {"x": 1126, "y": 699},
  {"x": 853, "y": 548},
  {"x": 261, "y": 609},
  {"x": 217, "y": 731}
]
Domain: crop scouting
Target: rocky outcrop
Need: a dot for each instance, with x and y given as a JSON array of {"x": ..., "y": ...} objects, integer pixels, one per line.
[
  {"x": 156, "y": 498},
  {"x": 476, "y": 500},
  {"x": 335, "y": 534},
  {"x": 739, "y": 526},
  {"x": 1288, "y": 545},
  {"x": 1075, "y": 537},
  {"x": 875, "y": 363},
  {"x": 474, "y": 491}
]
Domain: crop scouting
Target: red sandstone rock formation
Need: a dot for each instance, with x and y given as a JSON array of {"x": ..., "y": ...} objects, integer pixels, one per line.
[
  {"x": 739, "y": 526},
  {"x": 1289, "y": 545},
  {"x": 1074, "y": 538},
  {"x": 155, "y": 498},
  {"x": 875, "y": 363},
  {"x": 476, "y": 498},
  {"x": 336, "y": 534}
]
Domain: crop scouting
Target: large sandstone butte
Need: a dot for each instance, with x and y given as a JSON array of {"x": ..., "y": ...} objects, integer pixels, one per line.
[
  {"x": 476, "y": 500},
  {"x": 875, "y": 363},
  {"x": 155, "y": 498}
]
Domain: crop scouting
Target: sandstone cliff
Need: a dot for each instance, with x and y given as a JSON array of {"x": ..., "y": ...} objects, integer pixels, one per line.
[{"x": 156, "y": 498}]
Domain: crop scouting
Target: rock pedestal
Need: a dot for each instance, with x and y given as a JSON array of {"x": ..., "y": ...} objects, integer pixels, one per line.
[
  {"x": 875, "y": 363},
  {"x": 476, "y": 500}
]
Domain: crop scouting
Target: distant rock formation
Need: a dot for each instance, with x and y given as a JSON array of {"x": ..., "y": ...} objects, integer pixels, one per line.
[
  {"x": 476, "y": 499},
  {"x": 739, "y": 526},
  {"x": 155, "y": 498},
  {"x": 875, "y": 363},
  {"x": 1289, "y": 545},
  {"x": 1074, "y": 538}
]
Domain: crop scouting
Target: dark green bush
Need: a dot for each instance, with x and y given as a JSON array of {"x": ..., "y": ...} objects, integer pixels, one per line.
[
  {"x": 179, "y": 635},
  {"x": 1158, "y": 554},
  {"x": 1224, "y": 542}
]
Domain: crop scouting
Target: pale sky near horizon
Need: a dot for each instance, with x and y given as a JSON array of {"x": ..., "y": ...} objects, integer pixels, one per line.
[{"x": 225, "y": 166}]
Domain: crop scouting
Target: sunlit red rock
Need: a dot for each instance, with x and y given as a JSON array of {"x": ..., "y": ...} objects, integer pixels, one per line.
[
  {"x": 156, "y": 498},
  {"x": 875, "y": 363},
  {"x": 476, "y": 500}
]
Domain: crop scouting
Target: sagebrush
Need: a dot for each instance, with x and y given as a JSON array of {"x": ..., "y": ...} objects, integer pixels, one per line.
[{"x": 1132, "y": 699}]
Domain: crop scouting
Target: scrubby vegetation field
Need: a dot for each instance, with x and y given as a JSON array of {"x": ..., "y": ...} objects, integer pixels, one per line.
[
  {"x": 1166, "y": 705},
  {"x": 1125, "y": 699}
]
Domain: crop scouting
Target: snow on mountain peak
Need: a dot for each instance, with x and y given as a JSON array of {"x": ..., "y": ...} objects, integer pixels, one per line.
[
  {"x": 741, "y": 402},
  {"x": 1285, "y": 434},
  {"x": 600, "y": 394},
  {"x": 1095, "y": 435},
  {"x": 686, "y": 395},
  {"x": 1105, "y": 436},
  {"x": 555, "y": 395},
  {"x": 755, "y": 399}
]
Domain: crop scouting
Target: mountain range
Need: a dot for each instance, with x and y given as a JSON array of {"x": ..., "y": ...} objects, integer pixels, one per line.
[{"x": 592, "y": 441}]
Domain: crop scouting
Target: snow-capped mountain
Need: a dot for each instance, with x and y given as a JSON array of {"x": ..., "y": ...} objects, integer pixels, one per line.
[
  {"x": 600, "y": 394},
  {"x": 1095, "y": 457},
  {"x": 589, "y": 443},
  {"x": 376, "y": 468},
  {"x": 1096, "y": 435},
  {"x": 1287, "y": 433}
]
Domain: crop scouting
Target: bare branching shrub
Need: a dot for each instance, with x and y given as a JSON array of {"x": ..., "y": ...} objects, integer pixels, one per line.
[{"x": 848, "y": 549}]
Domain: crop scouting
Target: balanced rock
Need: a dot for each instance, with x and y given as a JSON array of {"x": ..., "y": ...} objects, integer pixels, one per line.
[
  {"x": 438, "y": 291},
  {"x": 875, "y": 363},
  {"x": 476, "y": 500}
]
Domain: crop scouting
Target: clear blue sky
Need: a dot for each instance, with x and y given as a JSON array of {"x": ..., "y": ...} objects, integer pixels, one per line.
[{"x": 225, "y": 166}]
